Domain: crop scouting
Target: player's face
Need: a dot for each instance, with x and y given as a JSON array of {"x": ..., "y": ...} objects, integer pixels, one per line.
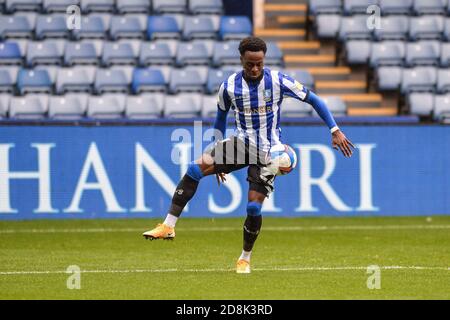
[{"x": 253, "y": 64}]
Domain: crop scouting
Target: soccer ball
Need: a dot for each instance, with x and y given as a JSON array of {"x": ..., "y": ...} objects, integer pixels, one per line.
[{"x": 281, "y": 159}]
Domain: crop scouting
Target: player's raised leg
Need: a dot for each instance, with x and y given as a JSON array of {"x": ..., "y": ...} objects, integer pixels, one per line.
[{"x": 183, "y": 194}]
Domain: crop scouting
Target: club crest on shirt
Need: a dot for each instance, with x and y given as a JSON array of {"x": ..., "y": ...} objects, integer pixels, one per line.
[{"x": 267, "y": 95}]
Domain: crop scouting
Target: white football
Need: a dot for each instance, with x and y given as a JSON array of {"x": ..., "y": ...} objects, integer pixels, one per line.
[{"x": 281, "y": 159}]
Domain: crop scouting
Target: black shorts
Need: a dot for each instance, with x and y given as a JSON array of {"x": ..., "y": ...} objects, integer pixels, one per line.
[{"x": 233, "y": 154}]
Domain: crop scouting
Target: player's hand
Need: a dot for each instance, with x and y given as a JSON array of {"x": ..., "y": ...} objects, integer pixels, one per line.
[
  {"x": 340, "y": 141},
  {"x": 220, "y": 177}
]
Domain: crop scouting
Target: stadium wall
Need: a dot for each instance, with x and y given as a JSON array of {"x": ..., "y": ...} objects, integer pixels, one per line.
[{"x": 129, "y": 171}]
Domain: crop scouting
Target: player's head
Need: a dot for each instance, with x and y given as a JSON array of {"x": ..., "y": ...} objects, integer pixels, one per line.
[{"x": 253, "y": 51}]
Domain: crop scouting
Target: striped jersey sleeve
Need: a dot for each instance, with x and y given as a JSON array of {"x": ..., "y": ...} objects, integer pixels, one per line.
[
  {"x": 293, "y": 88},
  {"x": 223, "y": 99}
]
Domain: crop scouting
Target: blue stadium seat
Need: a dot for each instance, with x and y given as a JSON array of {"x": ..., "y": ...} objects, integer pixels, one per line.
[
  {"x": 226, "y": 53},
  {"x": 78, "y": 79},
  {"x": 8, "y": 79},
  {"x": 445, "y": 55},
  {"x": 10, "y": 54},
  {"x": 68, "y": 107},
  {"x": 335, "y": 104},
  {"x": 443, "y": 81},
  {"x": 358, "y": 51},
  {"x": 302, "y": 76},
  {"x": 206, "y": 6},
  {"x": 80, "y": 53},
  {"x": 328, "y": 25},
  {"x": 33, "y": 81},
  {"x": 201, "y": 27},
  {"x": 209, "y": 106},
  {"x": 175, "y": 106},
  {"x": 393, "y": 28},
  {"x": 234, "y": 27},
  {"x": 396, "y": 6},
  {"x": 19, "y": 26},
  {"x": 169, "y": 6},
  {"x": 112, "y": 81},
  {"x": 51, "y": 26},
  {"x": 419, "y": 79},
  {"x": 45, "y": 52},
  {"x": 156, "y": 53},
  {"x": 420, "y": 103},
  {"x": 430, "y": 6},
  {"x": 324, "y": 6},
  {"x": 389, "y": 78},
  {"x": 145, "y": 106},
  {"x": 148, "y": 80},
  {"x": 358, "y": 6},
  {"x": 274, "y": 55},
  {"x": 215, "y": 79},
  {"x": 426, "y": 27},
  {"x": 23, "y": 5},
  {"x": 61, "y": 6},
  {"x": 192, "y": 54},
  {"x": 353, "y": 28},
  {"x": 88, "y": 6},
  {"x": 387, "y": 53},
  {"x": 162, "y": 27},
  {"x": 108, "y": 106},
  {"x": 92, "y": 27},
  {"x": 126, "y": 27},
  {"x": 118, "y": 53},
  {"x": 446, "y": 32},
  {"x": 184, "y": 80},
  {"x": 4, "y": 105},
  {"x": 441, "y": 111},
  {"x": 133, "y": 6},
  {"x": 293, "y": 108},
  {"x": 34, "y": 106},
  {"x": 423, "y": 53}
]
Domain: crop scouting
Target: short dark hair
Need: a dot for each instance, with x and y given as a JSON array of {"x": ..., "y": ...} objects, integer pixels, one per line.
[{"x": 252, "y": 44}]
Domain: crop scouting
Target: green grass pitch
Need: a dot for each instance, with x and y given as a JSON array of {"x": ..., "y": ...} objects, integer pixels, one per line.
[{"x": 294, "y": 258}]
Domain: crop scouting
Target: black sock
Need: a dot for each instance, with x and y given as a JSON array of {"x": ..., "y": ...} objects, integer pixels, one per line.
[
  {"x": 183, "y": 194},
  {"x": 252, "y": 226}
]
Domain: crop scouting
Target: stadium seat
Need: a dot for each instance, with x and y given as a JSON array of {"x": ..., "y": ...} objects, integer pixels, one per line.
[
  {"x": 419, "y": 79},
  {"x": 10, "y": 54},
  {"x": 175, "y": 106},
  {"x": 302, "y": 76},
  {"x": 441, "y": 111},
  {"x": 235, "y": 27},
  {"x": 60, "y": 6},
  {"x": 421, "y": 104},
  {"x": 111, "y": 80},
  {"x": 29, "y": 107},
  {"x": 4, "y": 105},
  {"x": 274, "y": 55},
  {"x": 387, "y": 53},
  {"x": 293, "y": 108},
  {"x": 192, "y": 54},
  {"x": 209, "y": 106},
  {"x": 429, "y": 7},
  {"x": 445, "y": 55},
  {"x": 226, "y": 53},
  {"x": 83, "y": 53},
  {"x": 145, "y": 106},
  {"x": 88, "y": 6},
  {"x": 423, "y": 53},
  {"x": 148, "y": 80},
  {"x": 45, "y": 52},
  {"x": 215, "y": 79},
  {"x": 133, "y": 6},
  {"x": 156, "y": 53},
  {"x": 92, "y": 27},
  {"x": 162, "y": 27},
  {"x": 68, "y": 107},
  {"x": 426, "y": 27},
  {"x": 126, "y": 27},
  {"x": 33, "y": 81},
  {"x": 357, "y": 6},
  {"x": 206, "y": 6},
  {"x": 169, "y": 6},
  {"x": 8, "y": 79},
  {"x": 200, "y": 27},
  {"x": 443, "y": 81},
  {"x": 317, "y": 7},
  {"x": 23, "y": 5},
  {"x": 335, "y": 104},
  {"x": 328, "y": 25},
  {"x": 108, "y": 106},
  {"x": 51, "y": 26},
  {"x": 354, "y": 28},
  {"x": 392, "y": 28},
  {"x": 19, "y": 26},
  {"x": 78, "y": 79},
  {"x": 358, "y": 51},
  {"x": 395, "y": 6},
  {"x": 389, "y": 78},
  {"x": 118, "y": 53},
  {"x": 184, "y": 80}
]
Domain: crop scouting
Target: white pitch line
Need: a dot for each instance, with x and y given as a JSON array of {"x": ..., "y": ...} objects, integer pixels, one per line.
[
  {"x": 295, "y": 228},
  {"x": 8, "y": 273}
]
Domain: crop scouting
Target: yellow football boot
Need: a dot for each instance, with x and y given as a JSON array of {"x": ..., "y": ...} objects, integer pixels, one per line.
[
  {"x": 242, "y": 266},
  {"x": 160, "y": 232}
]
